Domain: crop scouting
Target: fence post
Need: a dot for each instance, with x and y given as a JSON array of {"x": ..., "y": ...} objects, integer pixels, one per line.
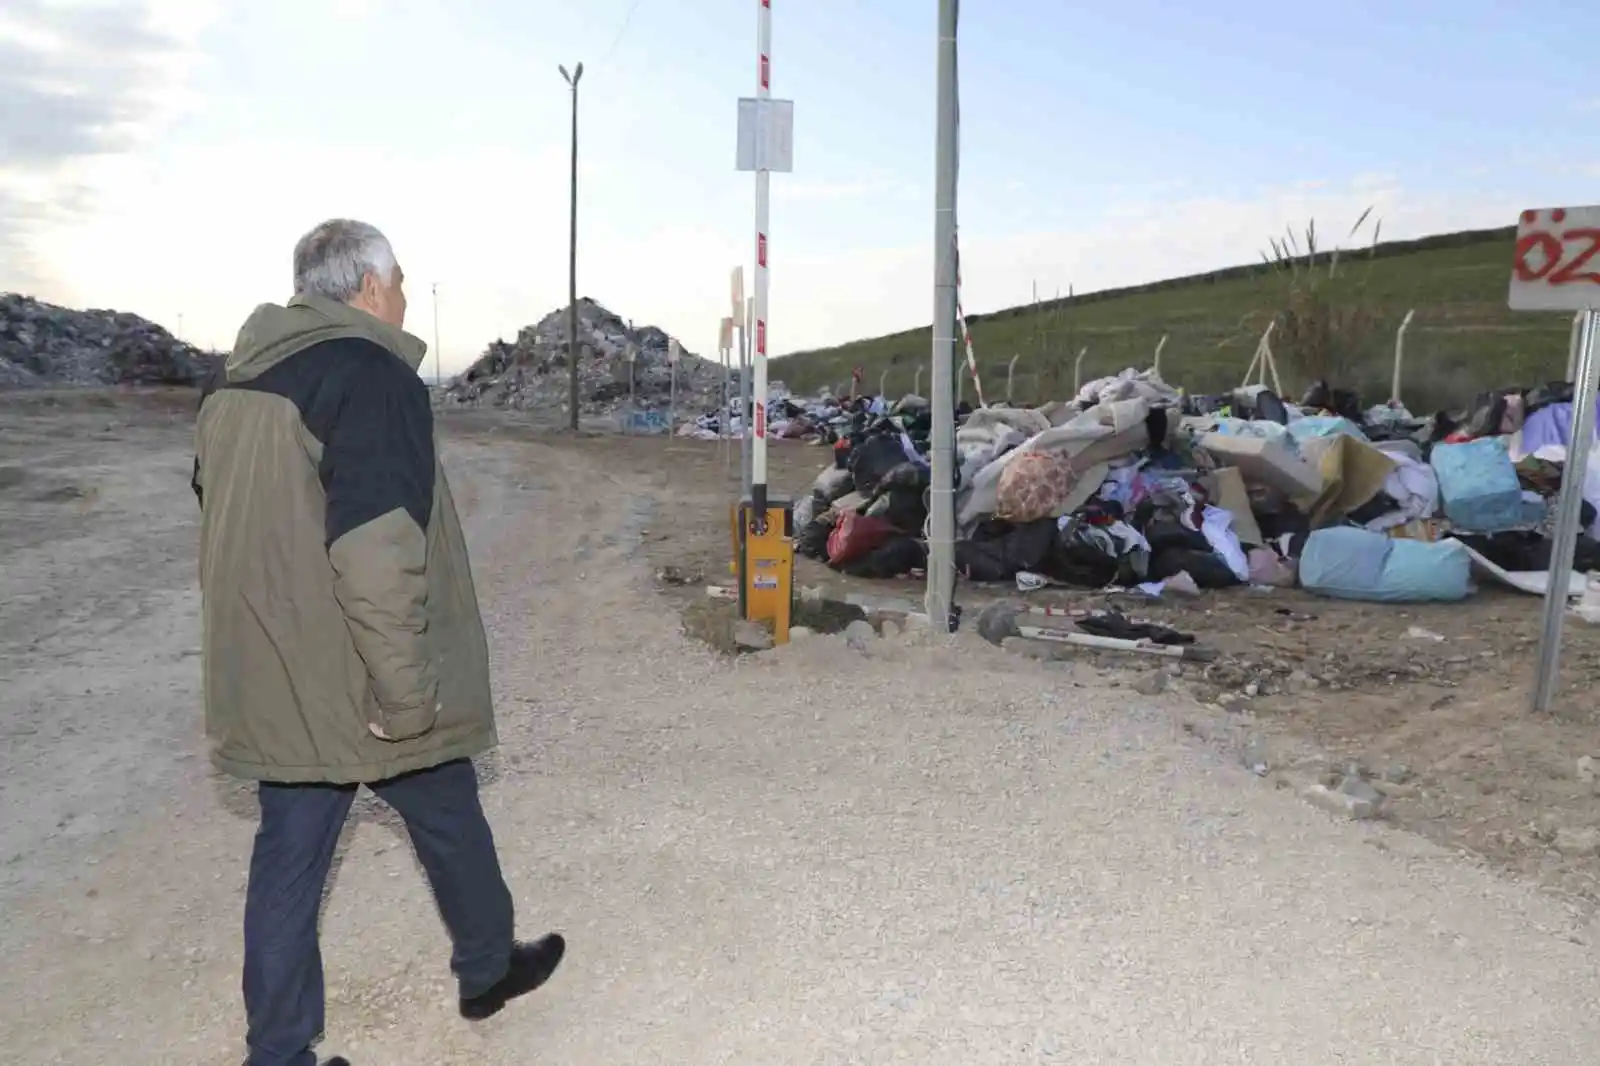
[
  {"x": 1011, "y": 377},
  {"x": 1077, "y": 370},
  {"x": 916, "y": 386},
  {"x": 1162, "y": 343},
  {"x": 883, "y": 384},
  {"x": 1399, "y": 355}
]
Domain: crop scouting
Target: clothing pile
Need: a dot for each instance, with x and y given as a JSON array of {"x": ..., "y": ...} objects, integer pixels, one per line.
[{"x": 1132, "y": 483}]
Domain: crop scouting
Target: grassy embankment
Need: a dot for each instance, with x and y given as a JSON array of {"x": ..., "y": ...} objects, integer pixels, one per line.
[{"x": 1336, "y": 319}]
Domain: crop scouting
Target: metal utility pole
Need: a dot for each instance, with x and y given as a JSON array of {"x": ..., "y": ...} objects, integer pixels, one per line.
[
  {"x": 1569, "y": 506},
  {"x": 438, "y": 372},
  {"x": 572, "y": 251},
  {"x": 940, "y": 596}
]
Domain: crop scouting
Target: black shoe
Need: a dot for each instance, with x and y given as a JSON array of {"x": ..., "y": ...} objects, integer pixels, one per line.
[{"x": 531, "y": 966}]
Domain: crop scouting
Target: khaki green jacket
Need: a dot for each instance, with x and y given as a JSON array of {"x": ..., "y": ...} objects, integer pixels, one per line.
[{"x": 338, "y": 597}]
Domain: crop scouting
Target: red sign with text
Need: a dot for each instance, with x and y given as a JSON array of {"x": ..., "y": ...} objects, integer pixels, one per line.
[
  {"x": 761, "y": 421},
  {"x": 1556, "y": 265}
]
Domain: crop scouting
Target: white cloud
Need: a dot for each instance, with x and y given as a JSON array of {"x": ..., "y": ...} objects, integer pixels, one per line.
[{"x": 80, "y": 81}]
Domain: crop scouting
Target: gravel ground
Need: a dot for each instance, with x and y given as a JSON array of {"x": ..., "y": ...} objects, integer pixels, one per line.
[{"x": 932, "y": 852}]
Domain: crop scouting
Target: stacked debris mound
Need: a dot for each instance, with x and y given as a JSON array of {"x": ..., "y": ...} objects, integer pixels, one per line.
[
  {"x": 43, "y": 345},
  {"x": 532, "y": 372}
]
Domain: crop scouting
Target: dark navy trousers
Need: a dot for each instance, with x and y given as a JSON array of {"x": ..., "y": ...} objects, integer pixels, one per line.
[{"x": 300, "y": 824}]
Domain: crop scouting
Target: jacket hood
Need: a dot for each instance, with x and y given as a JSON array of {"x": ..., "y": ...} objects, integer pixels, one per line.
[{"x": 274, "y": 332}]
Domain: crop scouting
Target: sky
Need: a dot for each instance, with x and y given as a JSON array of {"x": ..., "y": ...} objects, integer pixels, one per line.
[{"x": 162, "y": 156}]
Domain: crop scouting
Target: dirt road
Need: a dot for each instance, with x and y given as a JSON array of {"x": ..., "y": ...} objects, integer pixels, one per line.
[{"x": 932, "y": 852}]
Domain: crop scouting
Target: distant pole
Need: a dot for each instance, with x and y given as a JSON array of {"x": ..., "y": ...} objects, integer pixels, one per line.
[
  {"x": 746, "y": 385},
  {"x": 572, "y": 252},
  {"x": 940, "y": 596},
  {"x": 438, "y": 372}
]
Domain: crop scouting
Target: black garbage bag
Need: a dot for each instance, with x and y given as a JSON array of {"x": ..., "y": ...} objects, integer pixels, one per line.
[
  {"x": 872, "y": 459},
  {"x": 893, "y": 558},
  {"x": 812, "y": 541},
  {"x": 1163, "y": 530},
  {"x": 905, "y": 510},
  {"x": 1208, "y": 569},
  {"x": 1524, "y": 549},
  {"x": 997, "y": 549},
  {"x": 1342, "y": 402},
  {"x": 1547, "y": 394}
]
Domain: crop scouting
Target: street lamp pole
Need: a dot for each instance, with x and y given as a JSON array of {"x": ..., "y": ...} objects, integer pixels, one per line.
[{"x": 572, "y": 253}]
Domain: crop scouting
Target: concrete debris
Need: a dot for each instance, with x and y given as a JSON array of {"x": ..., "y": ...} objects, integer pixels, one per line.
[
  {"x": 531, "y": 372},
  {"x": 44, "y": 346}
]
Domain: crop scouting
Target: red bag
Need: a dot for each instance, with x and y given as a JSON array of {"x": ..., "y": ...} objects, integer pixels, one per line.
[{"x": 855, "y": 535}]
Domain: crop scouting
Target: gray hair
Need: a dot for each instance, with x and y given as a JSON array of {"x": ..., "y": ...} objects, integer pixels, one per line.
[{"x": 332, "y": 259}]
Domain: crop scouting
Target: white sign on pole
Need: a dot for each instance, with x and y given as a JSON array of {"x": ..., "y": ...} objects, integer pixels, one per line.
[
  {"x": 673, "y": 349},
  {"x": 766, "y": 135},
  {"x": 726, "y": 341},
  {"x": 1557, "y": 261},
  {"x": 1557, "y": 268},
  {"x": 736, "y": 287}
]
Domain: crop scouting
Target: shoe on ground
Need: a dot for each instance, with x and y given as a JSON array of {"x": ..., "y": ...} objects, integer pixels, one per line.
[{"x": 531, "y": 966}]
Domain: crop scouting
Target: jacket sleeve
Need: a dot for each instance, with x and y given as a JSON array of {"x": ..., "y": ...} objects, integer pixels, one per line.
[{"x": 377, "y": 470}]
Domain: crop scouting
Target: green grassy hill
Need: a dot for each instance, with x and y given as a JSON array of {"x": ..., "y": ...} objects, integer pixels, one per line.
[{"x": 1462, "y": 339}]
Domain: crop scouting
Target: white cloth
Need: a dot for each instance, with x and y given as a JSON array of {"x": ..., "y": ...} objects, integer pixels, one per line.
[{"x": 1217, "y": 525}]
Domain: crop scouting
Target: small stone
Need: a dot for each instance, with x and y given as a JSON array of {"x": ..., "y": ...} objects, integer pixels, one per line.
[
  {"x": 1586, "y": 769},
  {"x": 1255, "y": 757},
  {"x": 1252, "y": 690},
  {"x": 1231, "y": 702},
  {"x": 1338, "y": 802},
  {"x": 891, "y": 630},
  {"x": 860, "y": 635},
  {"x": 800, "y": 633},
  {"x": 1361, "y": 789},
  {"x": 1575, "y": 842},
  {"x": 1153, "y": 683},
  {"x": 1397, "y": 773}
]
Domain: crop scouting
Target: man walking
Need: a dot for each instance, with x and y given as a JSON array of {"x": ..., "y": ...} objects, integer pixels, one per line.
[{"x": 342, "y": 640}]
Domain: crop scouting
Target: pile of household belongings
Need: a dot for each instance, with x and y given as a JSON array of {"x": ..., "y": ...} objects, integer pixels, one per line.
[
  {"x": 824, "y": 417},
  {"x": 1133, "y": 485}
]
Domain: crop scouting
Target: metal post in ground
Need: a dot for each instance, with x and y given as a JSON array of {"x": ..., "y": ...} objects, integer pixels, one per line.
[
  {"x": 572, "y": 254},
  {"x": 939, "y": 600},
  {"x": 1568, "y": 510}
]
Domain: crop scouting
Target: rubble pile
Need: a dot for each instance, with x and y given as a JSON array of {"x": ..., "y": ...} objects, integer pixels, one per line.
[
  {"x": 531, "y": 372},
  {"x": 44, "y": 345}
]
